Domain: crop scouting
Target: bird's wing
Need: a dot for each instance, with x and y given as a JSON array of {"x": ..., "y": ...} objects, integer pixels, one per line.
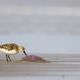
[{"x": 8, "y": 46}]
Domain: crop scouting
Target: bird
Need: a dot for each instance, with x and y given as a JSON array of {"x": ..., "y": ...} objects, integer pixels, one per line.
[{"x": 11, "y": 49}]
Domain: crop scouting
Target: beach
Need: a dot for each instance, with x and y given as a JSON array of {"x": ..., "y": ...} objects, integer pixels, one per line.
[
  {"x": 61, "y": 50},
  {"x": 46, "y": 28},
  {"x": 60, "y": 65}
]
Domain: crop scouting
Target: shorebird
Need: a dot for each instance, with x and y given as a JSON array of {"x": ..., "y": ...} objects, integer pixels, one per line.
[{"x": 11, "y": 49}]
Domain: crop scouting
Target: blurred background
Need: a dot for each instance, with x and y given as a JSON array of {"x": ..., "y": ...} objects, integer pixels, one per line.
[{"x": 42, "y": 26}]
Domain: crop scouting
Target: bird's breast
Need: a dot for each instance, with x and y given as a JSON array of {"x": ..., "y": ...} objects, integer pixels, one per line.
[{"x": 7, "y": 51}]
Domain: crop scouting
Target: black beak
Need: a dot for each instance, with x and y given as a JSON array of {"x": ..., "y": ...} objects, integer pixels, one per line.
[{"x": 24, "y": 53}]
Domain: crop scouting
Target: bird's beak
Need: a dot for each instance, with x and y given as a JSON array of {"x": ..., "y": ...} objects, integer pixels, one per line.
[{"x": 24, "y": 53}]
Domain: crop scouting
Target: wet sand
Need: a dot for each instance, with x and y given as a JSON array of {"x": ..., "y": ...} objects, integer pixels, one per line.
[{"x": 61, "y": 65}]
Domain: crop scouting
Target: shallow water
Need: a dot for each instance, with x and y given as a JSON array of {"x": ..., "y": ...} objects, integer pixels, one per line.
[{"x": 42, "y": 43}]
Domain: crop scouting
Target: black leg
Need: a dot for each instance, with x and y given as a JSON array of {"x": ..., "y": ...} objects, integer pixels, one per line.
[
  {"x": 6, "y": 57},
  {"x": 9, "y": 57}
]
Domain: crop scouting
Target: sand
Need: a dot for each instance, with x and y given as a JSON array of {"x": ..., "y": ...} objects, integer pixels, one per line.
[{"x": 61, "y": 65}]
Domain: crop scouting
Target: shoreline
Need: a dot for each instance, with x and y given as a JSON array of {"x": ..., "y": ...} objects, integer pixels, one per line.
[{"x": 61, "y": 65}]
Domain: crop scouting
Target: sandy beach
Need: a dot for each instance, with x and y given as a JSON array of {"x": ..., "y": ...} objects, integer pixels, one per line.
[
  {"x": 61, "y": 65},
  {"x": 46, "y": 28}
]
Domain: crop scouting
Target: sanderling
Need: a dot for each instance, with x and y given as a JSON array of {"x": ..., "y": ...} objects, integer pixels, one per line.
[{"x": 10, "y": 49}]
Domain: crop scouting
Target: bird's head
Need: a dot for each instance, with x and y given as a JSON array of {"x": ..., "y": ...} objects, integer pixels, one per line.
[{"x": 22, "y": 49}]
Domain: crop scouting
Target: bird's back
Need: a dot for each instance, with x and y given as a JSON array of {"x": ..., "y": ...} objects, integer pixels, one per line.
[{"x": 11, "y": 46}]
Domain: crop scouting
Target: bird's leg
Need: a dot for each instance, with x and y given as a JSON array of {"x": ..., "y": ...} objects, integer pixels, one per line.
[
  {"x": 9, "y": 57},
  {"x": 6, "y": 57}
]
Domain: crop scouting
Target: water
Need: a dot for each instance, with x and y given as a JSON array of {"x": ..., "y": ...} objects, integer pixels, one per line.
[{"x": 41, "y": 43}]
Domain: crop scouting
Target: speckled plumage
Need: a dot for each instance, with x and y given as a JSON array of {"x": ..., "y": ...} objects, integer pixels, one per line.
[{"x": 11, "y": 48}]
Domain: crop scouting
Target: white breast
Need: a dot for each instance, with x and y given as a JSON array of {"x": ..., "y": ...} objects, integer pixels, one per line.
[{"x": 7, "y": 52}]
